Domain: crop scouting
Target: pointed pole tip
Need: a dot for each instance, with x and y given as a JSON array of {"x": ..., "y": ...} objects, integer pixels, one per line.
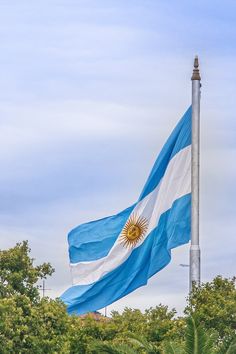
[
  {"x": 196, "y": 74},
  {"x": 196, "y": 63}
]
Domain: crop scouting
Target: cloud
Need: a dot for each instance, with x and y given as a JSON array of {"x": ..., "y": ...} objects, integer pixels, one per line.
[{"x": 89, "y": 93}]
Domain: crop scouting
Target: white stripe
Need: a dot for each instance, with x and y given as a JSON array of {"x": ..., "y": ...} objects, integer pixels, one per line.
[{"x": 175, "y": 183}]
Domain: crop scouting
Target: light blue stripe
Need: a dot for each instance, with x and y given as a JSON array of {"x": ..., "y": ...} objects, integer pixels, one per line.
[
  {"x": 93, "y": 240},
  {"x": 178, "y": 140},
  {"x": 173, "y": 230}
]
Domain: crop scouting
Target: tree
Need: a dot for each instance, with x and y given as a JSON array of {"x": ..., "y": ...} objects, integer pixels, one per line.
[
  {"x": 141, "y": 343},
  {"x": 32, "y": 328},
  {"x": 108, "y": 348},
  {"x": 18, "y": 275},
  {"x": 155, "y": 324},
  {"x": 28, "y": 324},
  {"x": 215, "y": 305},
  {"x": 163, "y": 324},
  {"x": 197, "y": 339},
  {"x": 86, "y": 331}
]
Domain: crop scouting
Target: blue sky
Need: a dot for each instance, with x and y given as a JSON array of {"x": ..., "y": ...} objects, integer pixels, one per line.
[{"x": 90, "y": 90}]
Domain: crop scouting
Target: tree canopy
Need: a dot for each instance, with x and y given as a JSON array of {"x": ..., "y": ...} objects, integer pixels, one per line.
[
  {"x": 31, "y": 324},
  {"x": 215, "y": 304},
  {"x": 18, "y": 275}
]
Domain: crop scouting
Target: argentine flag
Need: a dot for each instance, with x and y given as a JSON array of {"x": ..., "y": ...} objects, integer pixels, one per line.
[{"x": 112, "y": 257}]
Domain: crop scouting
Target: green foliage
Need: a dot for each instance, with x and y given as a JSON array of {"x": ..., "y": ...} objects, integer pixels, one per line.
[
  {"x": 162, "y": 323},
  {"x": 28, "y": 324},
  {"x": 198, "y": 341},
  {"x": 215, "y": 305},
  {"x": 83, "y": 332},
  {"x": 108, "y": 348},
  {"x": 143, "y": 344},
  {"x": 171, "y": 348},
  {"x": 156, "y": 324},
  {"x": 228, "y": 348},
  {"x": 32, "y": 325},
  {"x": 32, "y": 328},
  {"x": 130, "y": 321},
  {"x": 18, "y": 275}
]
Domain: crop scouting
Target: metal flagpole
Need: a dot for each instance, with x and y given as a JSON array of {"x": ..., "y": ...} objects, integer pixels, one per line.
[{"x": 194, "y": 248}]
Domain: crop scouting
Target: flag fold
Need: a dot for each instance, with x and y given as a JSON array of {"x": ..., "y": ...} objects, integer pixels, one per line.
[{"x": 112, "y": 257}]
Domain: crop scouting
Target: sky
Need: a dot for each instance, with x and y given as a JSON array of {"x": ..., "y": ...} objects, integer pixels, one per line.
[{"x": 89, "y": 92}]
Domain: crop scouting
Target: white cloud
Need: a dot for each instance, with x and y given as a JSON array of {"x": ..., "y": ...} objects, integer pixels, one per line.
[{"x": 89, "y": 93}]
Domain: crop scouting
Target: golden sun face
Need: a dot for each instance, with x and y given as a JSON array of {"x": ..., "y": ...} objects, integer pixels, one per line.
[{"x": 134, "y": 230}]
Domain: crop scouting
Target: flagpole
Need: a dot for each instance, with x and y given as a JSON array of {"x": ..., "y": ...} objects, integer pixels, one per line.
[{"x": 194, "y": 248}]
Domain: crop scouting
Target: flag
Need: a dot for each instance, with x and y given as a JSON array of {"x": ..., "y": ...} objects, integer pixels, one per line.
[{"x": 113, "y": 256}]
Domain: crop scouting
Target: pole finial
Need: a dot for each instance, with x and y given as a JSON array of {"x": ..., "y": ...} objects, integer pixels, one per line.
[{"x": 196, "y": 74}]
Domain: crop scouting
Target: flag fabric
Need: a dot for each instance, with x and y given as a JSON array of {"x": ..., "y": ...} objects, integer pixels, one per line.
[{"x": 112, "y": 257}]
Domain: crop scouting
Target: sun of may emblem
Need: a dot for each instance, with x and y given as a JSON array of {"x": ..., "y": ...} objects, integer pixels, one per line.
[{"x": 134, "y": 230}]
